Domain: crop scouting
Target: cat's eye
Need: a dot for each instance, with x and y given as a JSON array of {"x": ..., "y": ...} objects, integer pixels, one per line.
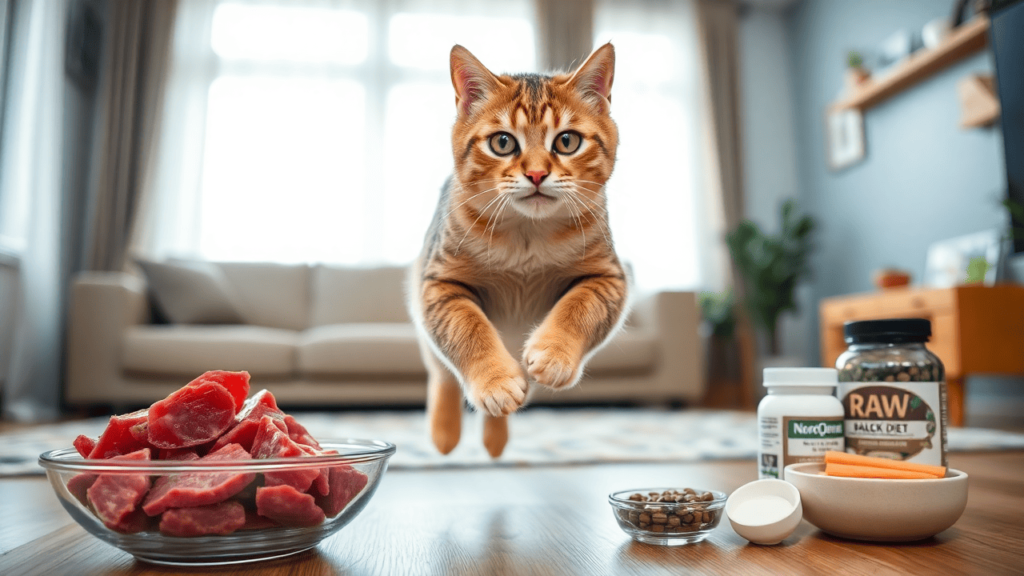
[
  {"x": 567, "y": 142},
  {"x": 503, "y": 144}
]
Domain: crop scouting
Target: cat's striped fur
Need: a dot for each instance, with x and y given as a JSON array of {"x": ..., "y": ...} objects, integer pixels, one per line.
[{"x": 518, "y": 281}]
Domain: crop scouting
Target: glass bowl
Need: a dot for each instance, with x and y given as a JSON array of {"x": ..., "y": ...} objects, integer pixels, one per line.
[
  {"x": 301, "y": 521},
  {"x": 667, "y": 523}
]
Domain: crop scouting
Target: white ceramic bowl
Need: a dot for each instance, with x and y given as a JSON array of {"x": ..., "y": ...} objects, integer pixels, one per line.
[
  {"x": 765, "y": 531},
  {"x": 879, "y": 510}
]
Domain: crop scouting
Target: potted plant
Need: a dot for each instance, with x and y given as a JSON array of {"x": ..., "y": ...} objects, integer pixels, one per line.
[
  {"x": 721, "y": 353},
  {"x": 771, "y": 266},
  {"x": 856, "y": 73}
]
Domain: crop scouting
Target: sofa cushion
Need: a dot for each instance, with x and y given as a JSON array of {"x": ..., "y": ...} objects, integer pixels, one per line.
[
  {"x": 370, "y": 295},
  {"x": 188, "y": 351},
  {"x": 628, "y": 351},
  {"x": 365, "y": 348},
  {"x": 272, "y": 295},
  {"x": 191, "y": 292}
]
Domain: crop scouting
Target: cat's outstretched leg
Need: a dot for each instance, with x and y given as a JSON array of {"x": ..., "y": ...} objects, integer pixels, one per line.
[
  {"x": 580, "y": 321},
  {"x": 444, "y": 404},
  {"x": 495, "y": 434},
  {"x": 453, "y": 319}
]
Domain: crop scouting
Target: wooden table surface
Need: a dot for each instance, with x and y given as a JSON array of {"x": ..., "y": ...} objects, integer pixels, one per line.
[{"x": 549, "y": 520}]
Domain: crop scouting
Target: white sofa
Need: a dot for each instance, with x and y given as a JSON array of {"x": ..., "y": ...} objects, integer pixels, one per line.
[{"x": 330, "y": 336}]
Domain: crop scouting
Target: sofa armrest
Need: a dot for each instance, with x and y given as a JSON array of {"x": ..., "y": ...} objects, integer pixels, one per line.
[
  {"x": 102, "y": 306},
  {"x": 674, "y": 318}
]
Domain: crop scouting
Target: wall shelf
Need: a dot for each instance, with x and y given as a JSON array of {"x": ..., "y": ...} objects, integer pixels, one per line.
[{"x": 968, "y": 38}]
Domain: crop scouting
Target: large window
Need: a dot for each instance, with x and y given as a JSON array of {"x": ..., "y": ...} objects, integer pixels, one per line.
[
  {"x": 325, "y": 128},
  {"x": 321, "y": 132}
]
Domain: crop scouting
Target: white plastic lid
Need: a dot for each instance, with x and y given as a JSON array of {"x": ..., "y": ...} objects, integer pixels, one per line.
[{"x": 801, "y": 377}]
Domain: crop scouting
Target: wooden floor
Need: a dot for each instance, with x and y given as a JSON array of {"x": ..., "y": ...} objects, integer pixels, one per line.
[{"x": 552, "y": 520}]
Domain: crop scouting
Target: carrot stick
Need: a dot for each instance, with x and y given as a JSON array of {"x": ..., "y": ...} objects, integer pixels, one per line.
[
  {"x": 849, "y": 471},
  {"x": 835, "y": 457}
]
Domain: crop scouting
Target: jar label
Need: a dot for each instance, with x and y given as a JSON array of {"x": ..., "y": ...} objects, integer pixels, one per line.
[{"x": 895, "y": 420}]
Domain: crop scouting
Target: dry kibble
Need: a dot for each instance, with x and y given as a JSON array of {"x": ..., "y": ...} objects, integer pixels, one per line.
[
  {"x": 670, "y": 511},
  {"x": 903, "y": 377}
]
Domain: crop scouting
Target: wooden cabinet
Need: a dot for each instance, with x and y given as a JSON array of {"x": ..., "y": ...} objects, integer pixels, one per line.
[{"x": 975, "y": 329}]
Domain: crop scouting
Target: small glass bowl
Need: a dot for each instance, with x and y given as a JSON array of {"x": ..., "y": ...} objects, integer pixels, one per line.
[
  {"x": 666, "y": 523},
  {"x": 370, "y": 457}
]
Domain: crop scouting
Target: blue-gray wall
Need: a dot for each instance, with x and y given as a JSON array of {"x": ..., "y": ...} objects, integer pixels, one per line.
[{"x": 924, "y": 179}]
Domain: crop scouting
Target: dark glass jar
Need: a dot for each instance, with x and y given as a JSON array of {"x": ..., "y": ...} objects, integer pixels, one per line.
[{"x": 893, "y": 391}]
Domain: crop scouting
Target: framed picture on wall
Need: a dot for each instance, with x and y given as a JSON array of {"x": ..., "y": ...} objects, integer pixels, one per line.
[
  {"x": 970, "y": 258},
  {"x": 844, "y": 138}
]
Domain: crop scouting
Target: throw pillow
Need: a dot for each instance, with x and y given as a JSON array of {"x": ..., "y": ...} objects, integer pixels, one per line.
[{"x": 191, "y": 292}]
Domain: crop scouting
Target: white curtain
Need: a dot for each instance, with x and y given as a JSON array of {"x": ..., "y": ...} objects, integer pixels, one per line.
[
  {"x": 30, "y": 192},
  {"x": 315, "y": 131},
  {"x": 664, "y": 220},
  {"x": 320, "y": 131}
]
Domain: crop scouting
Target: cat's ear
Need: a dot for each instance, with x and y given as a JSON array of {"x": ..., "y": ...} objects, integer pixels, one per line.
[
  {"x": 471, "y": 79},
  {"x": 593, "y": 79}
]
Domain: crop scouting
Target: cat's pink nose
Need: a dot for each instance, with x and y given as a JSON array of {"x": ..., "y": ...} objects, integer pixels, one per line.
[{"x": 537, "y": 176}]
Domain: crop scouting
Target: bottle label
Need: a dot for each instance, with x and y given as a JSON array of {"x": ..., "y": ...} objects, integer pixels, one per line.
[
  {"x": 792, "y": 439},
  {"x": 807, "y": 439},
  {"x": 898, "y": 420}
]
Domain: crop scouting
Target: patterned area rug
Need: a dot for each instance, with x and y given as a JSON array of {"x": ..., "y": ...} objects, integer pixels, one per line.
[{"x": 538, "y": 437}]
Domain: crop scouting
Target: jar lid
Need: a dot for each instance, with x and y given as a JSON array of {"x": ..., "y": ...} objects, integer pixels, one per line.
[
  {"x": 893, "y": 331},
  {"x": 801, "y": 377}
]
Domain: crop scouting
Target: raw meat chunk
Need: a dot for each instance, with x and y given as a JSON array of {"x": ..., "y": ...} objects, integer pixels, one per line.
[
  {"x": 114, "y": 496},
  {"x": 236, "y": 383},
  {"x": 288, "y": 506},
  {"x": 117, "y": 439},
  {"x": 262, "y": 398},
  {"x": 322, "y": 483},
  {"x": 298, "y": 433},
  {"x": 191, "y": 489},
  {"x": 135, "y": 522},
  {"x": 254, "y": 521},
  {"x": 346, "y": 484},
  {"x": 179, "y": 454},
  {"x": 193, "y": 415},
  {"x": 79, "y": 485},
  {"x": 84, "y": 445},
  {"x": 222, "y": 518},
  {"x": 272, "y": 442},
  {"x": 245, "y": 431}
]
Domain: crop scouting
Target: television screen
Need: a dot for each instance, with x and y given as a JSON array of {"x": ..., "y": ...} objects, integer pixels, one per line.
[{"x": 1007, "y": 38}]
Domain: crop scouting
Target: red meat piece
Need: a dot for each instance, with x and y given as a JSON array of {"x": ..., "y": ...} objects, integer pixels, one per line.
[
  {"x": 221, "y": 518},
  {"x": 179, "y": 454},
  {"x": 236, "y": 383},
  {"x": 190, "y": 489},
  {"x": 140, "y": 431},
  {"x": 79, "y": 486},
  {"x": 135, "y": 522},
  {"x": 254, "y": 521},
  {"x": 288, "y": 506},
  {"x": 298, "y": 433},
  {"x": 272, "y": 442},
  {"x": 245, "y": 431},
  {"x": 346, "y": 484},
  {"x": 191, "y": 416},
  {"x": 84, "y": 445},
  {"x": 117, "y": 439},
  {"x": 114, "y": 496},
  {"x": 322, "y": 484},
  {"x": 262, "y": 398}
]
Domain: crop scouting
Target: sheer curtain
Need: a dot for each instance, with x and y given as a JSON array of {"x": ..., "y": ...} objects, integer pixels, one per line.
[
  {"x": 320, "y": 131},
  {"x": 315, "y": 131},
  {"x": 664, "y": 220}
]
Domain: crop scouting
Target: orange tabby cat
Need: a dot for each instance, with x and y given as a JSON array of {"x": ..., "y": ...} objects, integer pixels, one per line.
[{"x": 518, "y": 280}]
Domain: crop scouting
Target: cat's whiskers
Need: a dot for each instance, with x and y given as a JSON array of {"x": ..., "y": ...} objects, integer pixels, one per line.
[
  {"x": 461, "y": 204},
  {"x": 590, "y": 205},
  {"x": 470, "y": 227}
]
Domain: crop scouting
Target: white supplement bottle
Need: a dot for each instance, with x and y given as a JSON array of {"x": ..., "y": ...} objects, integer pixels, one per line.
[{"x": 799, "y": 420}]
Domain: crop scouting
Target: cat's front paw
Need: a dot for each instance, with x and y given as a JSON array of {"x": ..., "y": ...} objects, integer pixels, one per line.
[
  {"x": 499, "y": 393},
  {"x": 552, "y": 363}
]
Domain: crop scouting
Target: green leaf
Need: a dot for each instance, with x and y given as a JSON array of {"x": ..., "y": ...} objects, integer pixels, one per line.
[{"x": 976, "y": 269}]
